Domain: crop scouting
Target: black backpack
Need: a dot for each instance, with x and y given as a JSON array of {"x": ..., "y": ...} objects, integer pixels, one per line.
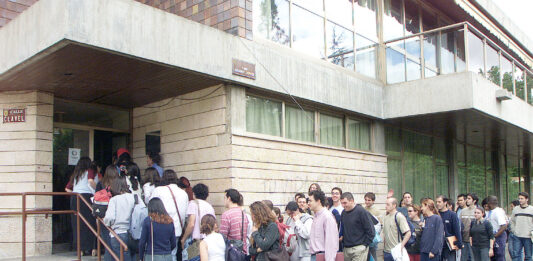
[
  {"x": 235, "y": 248},
  {"x": 412, "y": 239}
]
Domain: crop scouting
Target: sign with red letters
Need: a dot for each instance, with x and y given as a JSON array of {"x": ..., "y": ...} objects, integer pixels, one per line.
[{"x": 14, "y": 115}]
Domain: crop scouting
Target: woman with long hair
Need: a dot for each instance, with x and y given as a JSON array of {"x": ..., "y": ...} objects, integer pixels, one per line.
[
  {"x": 134, "y": 174},
  {"x": 433, "y": 232},
  {"x": 213, "y": 246},
  {"x": 313, "y": 186},
  {"x": 158, "y": 237},
  {"x": 110, "y": 175},
  {"x": 265, "y": 234},
  {"x": 82, "y": 181},
  {"x": 414, "y": 215},
  {"x": 118, "y": 216},
  {"x": 151, "y": 176},
  {"x": 481, "y": 236}
]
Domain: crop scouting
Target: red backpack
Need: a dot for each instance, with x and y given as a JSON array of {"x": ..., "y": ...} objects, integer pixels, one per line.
[
  {"x": 100, "y": 202},
  {"x": 287, "y": 237}
]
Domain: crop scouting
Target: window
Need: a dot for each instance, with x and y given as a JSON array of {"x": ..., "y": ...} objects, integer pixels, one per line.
[
  {"x": 529, "y": 82},
  {"x": 365, "y": 18},
  {"x": 507, "y": 73},
  {"x": 263, "y": 116},
  {"x": 392, "y": 20},
  {"x": 339, "y": 11},
  {"x": 299, "y": 125},
  {"x": 271, "y": 20},
  {"x": 493, "y": 65},
  {"x": 331, "y": 130},
  {"x": 358, "y": 134},
  {"x": 365, "y": 56},
  {"x": 519, "y": 82},
  {"x": 340, "y": 45},
  {"x": 153, "y": 142},
  {"x": 475, "y": 51},
  {"x": 307, "y": 32},
  {"x": 395, "y": 66}
]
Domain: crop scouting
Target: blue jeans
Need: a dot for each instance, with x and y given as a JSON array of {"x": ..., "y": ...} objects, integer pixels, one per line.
[
  {"x": 148, "y": 257},
  {"x": 466, "y": 252},
  {"x": 499, "y": 247},
  {"x": 115, "y": 246},
  {"x": 519, "y": 243},
  {"x": 425, "y": 257},
  {"x": 480, "y": 254},
  {"x": 387, "y": 256}
]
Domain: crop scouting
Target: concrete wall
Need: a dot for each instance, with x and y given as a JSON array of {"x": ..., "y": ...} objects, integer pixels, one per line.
[{"x": 26, "y": 165}]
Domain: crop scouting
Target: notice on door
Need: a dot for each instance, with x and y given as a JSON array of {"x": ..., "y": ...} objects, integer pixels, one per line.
[
  {"x": 14, "y": 115},
  {"x": 73, "y": 156}
]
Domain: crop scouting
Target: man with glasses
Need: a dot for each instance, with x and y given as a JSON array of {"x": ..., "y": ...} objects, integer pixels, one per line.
[{"x": 336, "y": 197}]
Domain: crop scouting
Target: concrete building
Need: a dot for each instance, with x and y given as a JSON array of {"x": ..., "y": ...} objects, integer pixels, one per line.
[{"x": 265, "y": 96}]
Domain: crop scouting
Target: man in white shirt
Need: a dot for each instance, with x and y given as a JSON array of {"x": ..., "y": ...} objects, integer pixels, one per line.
[
  {"x": 336, "y": 197},
  {"x": 498, "y": 220}
]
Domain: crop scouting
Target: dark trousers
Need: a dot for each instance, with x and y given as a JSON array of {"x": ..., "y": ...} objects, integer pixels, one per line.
[
  {"x": 425, "y": 257},
  {"x": 448, "y": 255},
  {"x": 87, "y": 238},
  {"x": 499, "y": 247},
  {"x": 387, "y": 256}
]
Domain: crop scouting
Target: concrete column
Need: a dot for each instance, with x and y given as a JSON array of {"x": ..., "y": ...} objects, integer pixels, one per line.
[
  {"x": 26, "y": 165},
  {"x": 378, "y": 137}
]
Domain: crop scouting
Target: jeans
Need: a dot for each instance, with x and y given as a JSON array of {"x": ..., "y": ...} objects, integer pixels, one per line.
[
  {"x": 466, "y": 252},
  {"x": 425, "y": 257},
  {"x": 519, "y": 243},
  {"x": 176, "y": 249},
  {"x": 115, "y": 246},
  {"x": 499, "y": 247},
  {"x": 387, "y": 257},
  {"x": 480, "y": 254},
  {"x": 148, "y": 257}
]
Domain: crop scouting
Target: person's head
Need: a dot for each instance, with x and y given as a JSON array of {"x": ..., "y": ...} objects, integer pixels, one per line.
[
  {"x": 269, "y": 204},
  {"x": 523, "y": 198},
  {"x": 83, "y": 165},
  {"x": 153, "y": 158},
  {"x": 391, "y": 205},
  {"x": 277, "y": 211},
  {"x": 317, "y": 200},
  {"x": 515, "y": 203},
  {"x": 441, "y": 202},
  {"x": 413, "y": 211},
  {"x": 261, "y": 214},
  {"x": 314, "y": 186},
  {"x": 292, "y": 209},
  {"x": 471, "y": 199},
  {"x": 119, "y": 186},
  {"x": 123, "y": 156},
  {"x": 184, "y": 183},
  {"x": 156, "y": 211},
  {"x": 485, "y": 204},
  {"x": 336, "y": 195},
  {"x": 492, "y": 202},
  {"x": 110, "y": 174},
  {"x": 407, "y": 198},
  {"x": 208, "y": 224},
  {"x": 169, "y": 177},
  {"x": 329, "y": 202},
  {"x": 461, "y": 200},
  {"x": 151, "y": 175},
  {"x": 303, "y": 203},
  {"x": 428, "y": 207},
  {"x": 450, "y": 205},
  {"x": 370, "y": 198},
  {"x": 201, "y": 191},
  {"x": 232, "y": 197},
  {"x": 347, "y": 201},
  {"x": 479, "y": 213},
  {"x": 299, "y": 195},
  {"x": 133, "y": 172}
]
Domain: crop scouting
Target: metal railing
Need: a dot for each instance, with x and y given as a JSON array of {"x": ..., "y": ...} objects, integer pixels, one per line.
[
  {"x": 25, "y": 212},
  {"x": 446, "y": 50}
]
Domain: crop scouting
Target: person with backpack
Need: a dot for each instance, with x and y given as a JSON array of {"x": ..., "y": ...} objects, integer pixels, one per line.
[
  {"x": 430, "y": 242},
  {"x": 233, "y": 222},
  {"x": 357, "y": 228},
  {"x": 118, "y": 216},
  {"x": 158, "y": 237},
  {"x": 301, "y": 223},
  {"x": 213, "y": 246},
  {"x": 452, "y": 230},
  {"x": 396, "y": 230},
  {"x": 414, "y": 217},
  {"x": 139, "y": 214},
  {"x": 102, "y": 197},
  {"x": 481, "y": 236},
  {"x": 265, "y": 233}
]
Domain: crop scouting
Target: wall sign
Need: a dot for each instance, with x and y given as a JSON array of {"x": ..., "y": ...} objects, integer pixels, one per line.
[
  {"x": 14, "y": 115},
  {"x": 242, "y": 68},
  {"x": 73, "y": 156}
]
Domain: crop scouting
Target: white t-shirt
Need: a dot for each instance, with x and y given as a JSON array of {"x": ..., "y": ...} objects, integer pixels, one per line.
[
  {"x": 148, "y": 188},
  {"x": 182, "y": 200},
  {"x": 216, "y": 247},
  {"x": 338, "y": 208},
  {"x": 497, "y": 218}
]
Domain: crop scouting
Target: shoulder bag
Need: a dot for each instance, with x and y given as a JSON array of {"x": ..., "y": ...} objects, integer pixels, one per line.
[{"x": 177, "y": 209}]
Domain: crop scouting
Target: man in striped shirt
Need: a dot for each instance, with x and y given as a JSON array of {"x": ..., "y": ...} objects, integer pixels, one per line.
[{"x": 231, "y": 221}]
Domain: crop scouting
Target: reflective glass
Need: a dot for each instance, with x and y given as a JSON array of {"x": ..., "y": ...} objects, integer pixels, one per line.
[
  {"x": 429, "y": 20},
  {"x": 475, "y": 52},
  {"x": 430, "y": 52},
  {"x": 441, "y": 157},
  {"x": 429, "y": 73},
  {"x": 299, "y": 125},
  {"x": 413, "y": 70},
  {"x": 461, "y": 173},
  {"x": 365, "y": 18},
  {"x": 514, "y": 179},
  {"x": 412, "y": 46},
  {"x": 340, "y": 45},
  {"x": 331, "y": 130},
  {"x": 271, "y": 20},
  {"x": 412, "y": 20},
  {"x": 308, "y": 32},
  {"x": 365, "y": 56},
  {"x": 460, "y": 62},
  {"x": 358, "y": 135},
  {"x": 393, "y": 142},
  {"x": 507, "y": 73},
  {"x": 339, "y": 11},
  {"x": 316, "y": 6},
  {"x": 394, "y": 175},
  {"x": 392, "y": 20},
  {"x": 447, "y": 52},
  {"x": 519, "y": 82},
  {"x": 491, "y": 174},
  {"x": 441, "y": 179},
  {"x": 395, "y": 66},
  {"x": 493, "y": 65},
  {"x": 418, "y": 165},
  {"x": 263, "y": 116},
  {"x": 475, "y": 170},
  {"x": 529, "y": 82}
]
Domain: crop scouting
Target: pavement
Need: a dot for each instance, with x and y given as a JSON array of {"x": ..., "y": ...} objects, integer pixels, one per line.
[{"x": 64, "y": 256}]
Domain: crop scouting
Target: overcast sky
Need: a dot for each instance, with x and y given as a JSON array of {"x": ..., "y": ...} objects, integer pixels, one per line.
[{"x": 520, "y": 12}]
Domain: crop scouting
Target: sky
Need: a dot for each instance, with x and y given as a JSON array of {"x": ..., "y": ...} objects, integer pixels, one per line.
[{"x": 519, "y": 11}]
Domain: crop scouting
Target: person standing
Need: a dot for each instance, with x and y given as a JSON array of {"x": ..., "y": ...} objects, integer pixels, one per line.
[
  {"x": 498, "y": 220},
  {"x": 407, "y": 199},
  {"x": 521, "y": 227},
  {"x": 303, "y": 202},
  {"x": 432, "y": 242},
  {"x": 481, "y": 236},
  {"x": 391, "y": 236},
  {"x": 233, "y": 222},
  {"x": 213, "y": 246},
  {"x": 324, "y": 236},
  {"x": 466, "y": 217},
  {"x": 452, "y": 228},
  {"x": 301, "y": 222},
  {"x": 265, "y": 234},
  {"x": 370, "y": 199},
  {"x": 153, "y": 160},
  {"x": 461, "y": 204},
  {"x": 357, "y": 229},
  {"x": 157, "y": 237},
  {"x": 336, "y": 198},
  {"x": 414, "y": 216}
]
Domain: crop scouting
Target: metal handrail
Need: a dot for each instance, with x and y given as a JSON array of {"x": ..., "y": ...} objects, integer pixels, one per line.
[{"x": 25, "y": 213}]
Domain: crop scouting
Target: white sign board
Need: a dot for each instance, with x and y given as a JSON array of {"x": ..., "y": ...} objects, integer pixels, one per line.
[{"x": 73, "y": 156}]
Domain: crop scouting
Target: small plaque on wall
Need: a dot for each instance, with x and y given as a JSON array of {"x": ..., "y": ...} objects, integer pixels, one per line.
[
  {"x": 244, "y": 69},
  {"x": 14, "y": 115}
]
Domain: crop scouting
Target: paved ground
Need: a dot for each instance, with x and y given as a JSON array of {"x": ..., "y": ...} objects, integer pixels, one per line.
[{"x": 66, "y": 256}]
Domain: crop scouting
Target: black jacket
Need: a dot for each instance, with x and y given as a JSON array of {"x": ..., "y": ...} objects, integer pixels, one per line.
[{"x": 357, "y": 227}]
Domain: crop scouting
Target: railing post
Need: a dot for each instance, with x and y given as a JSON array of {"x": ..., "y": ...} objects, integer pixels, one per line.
[
  {"x": 467, "y": 54},
  {"x": 78, "y": 243},
  {"x": 98, "y": 239},
  {"x": 24, "y": 227},
  {"x": 121, "y": 253}
]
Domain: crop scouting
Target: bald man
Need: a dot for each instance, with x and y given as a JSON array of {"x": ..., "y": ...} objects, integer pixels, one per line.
[{"x": 390, "y": 230}]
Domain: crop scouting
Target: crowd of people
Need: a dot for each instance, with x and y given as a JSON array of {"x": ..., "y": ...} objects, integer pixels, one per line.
[{"x": 161, "y": 217}]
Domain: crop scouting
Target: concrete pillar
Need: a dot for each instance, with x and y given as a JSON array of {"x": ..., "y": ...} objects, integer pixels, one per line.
[
  {"x": 378, "y": 137},
  {"x": 26, "y": 165}
]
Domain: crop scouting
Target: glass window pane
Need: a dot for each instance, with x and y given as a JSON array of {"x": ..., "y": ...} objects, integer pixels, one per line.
[
  {"x": 418, "y": 165},
  {"x": 507, "y": 74},
  {"x": 461, "y": 173},
  {"x": 308, "y": 32},
  {"x": 271, "y": 20},
  {"x": 331, "y": 130},
  {"x": 475, "y": 170},
  {"x": 263, "y": 116},
  {"x": 519, "y": 83},
  {"x": 461, "y": 155},
  {"x": 430, "y": 52},
  {"x": 340, "y": 45},
  {"x": 395, "y": 66},
  {"x": 447, "y": 52},
  {"x": 365, "y": 56},
  {"x": 339, "y": 11},
  {"x": 365, "y": 18},
  {"x": 394, "y": 169},
  {"x": 412, "y": 46},
  {"x": 316, "y": 6},
  {"x": 442, "y": 179},
  {"x": 358, "y": 134},
  {"x": 393, "y": 142},
  {"x": 441, "y": 157},
  {"x": 412, "y": 21},
  {"x": 475, "y": 52},
  {"x": 493, "y": 65},
  {"x": 460, "y": 62},
  {"x": 413, "y": 70},
  {"x": 429, "y": 20},
  {"x": 514, "y": 178},
  {"x": 529, "y": 82},
  {"x": 299, "y": 125},
  {"x": 392, "y": 20},
  {"x": 491, "y": 174}
]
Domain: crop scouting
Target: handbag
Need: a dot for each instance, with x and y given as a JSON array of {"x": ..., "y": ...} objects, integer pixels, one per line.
[
  {"x": 235, "y": 248},
  {"x": 193, "y": 250},
  {"x": 279, "y": 254}
]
